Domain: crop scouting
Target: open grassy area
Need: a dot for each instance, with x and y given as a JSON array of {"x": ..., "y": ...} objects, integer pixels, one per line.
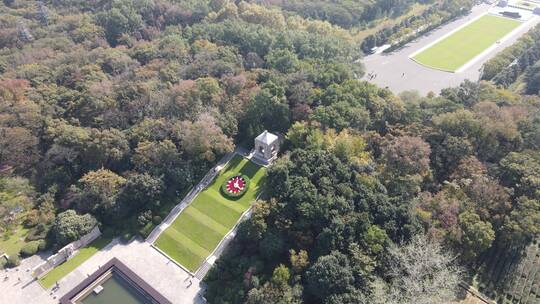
[
  {"x": 63, "y": 269},
  {"x": 197, "y": 231},
  {"x": 457, "y": 49},
  {"x": 12, "y": 242}
]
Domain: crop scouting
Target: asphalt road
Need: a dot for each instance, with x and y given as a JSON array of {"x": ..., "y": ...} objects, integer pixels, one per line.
[{"x": 399, "y": 73}]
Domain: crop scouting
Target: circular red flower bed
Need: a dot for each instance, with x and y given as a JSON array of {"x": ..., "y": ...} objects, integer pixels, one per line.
[{"x": 235, "y": 186}]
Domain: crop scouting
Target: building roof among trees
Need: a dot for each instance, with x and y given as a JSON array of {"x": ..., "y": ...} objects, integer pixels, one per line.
[{"x": 266, "y": 137}]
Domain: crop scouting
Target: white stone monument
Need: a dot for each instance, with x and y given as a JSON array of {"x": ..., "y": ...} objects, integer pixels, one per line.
[{"x": 266, "y": 147}]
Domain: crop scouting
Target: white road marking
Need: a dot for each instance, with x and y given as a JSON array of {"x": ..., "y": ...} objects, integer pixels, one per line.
[
  {"x": 508, "y": 36},
  {"x": 446, "y": 35}
]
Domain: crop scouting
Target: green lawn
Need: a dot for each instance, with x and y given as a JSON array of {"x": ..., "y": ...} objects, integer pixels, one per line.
[
  {"x": 63, "y": 269},
  {"x": 457, "y": 49},
  {"x": 12, "y": 243},
  {"x": 196, "y": 232}
]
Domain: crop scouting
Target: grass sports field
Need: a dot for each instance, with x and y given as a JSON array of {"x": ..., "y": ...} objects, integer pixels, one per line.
[
  {"x": 197, "y": 231},
  {"x": 457, "y": 49}
]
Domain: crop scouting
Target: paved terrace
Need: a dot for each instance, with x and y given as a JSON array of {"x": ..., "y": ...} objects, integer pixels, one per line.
[
  {"x": 390, "y": 67},
  {"x": 158, "y": 271},
  {"x": 172, "y": 281}
]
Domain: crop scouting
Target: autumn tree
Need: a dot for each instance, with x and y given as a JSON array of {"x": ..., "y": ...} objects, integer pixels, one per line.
[
  {"x": 420, "y": 272},
  {"x": 522, "y": 224},
  {"x": 275, "y": 291},
  {"x": 204, "y": 139},
  {"x": 70, "y": 226},
  {"x": 97, "y": 192},
  {"x": 330, "y": 274},
  {"x": 141, "y": 191},
  {"x": 406, "y": 164}
]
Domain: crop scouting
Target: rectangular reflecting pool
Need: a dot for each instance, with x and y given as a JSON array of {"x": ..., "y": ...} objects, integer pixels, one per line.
[
  {"x": 115, "y": 290},
  {"x": 113, "y": 283}
]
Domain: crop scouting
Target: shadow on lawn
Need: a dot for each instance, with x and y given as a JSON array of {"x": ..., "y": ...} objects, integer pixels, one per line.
[
  {"x": 235, "y": 161},
  {"x": 250, "y": 169}
]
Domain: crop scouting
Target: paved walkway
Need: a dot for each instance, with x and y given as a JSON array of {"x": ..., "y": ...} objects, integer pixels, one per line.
[
  {"x": 205, "y": 181},
  {"x": 399, "y": 73},
  {"x": 27, "y": 290},
  {"x": 224, "y": 243},
  {"x": 158, "y": 271},
  {"x": 155, "y": 268}
]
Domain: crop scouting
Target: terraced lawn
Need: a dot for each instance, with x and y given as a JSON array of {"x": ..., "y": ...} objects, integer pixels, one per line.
[
  {"x": 60, "y": 271},
  {"x": 197, "y": 231},
  {"x": 462, "y": 46}
]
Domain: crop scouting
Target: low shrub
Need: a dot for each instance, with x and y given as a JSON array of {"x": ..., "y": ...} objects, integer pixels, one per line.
[
  {"x": 146, "y": 230},
  {"x": 43, "y": 244},
  {"x": 144, "y": 218},
  {"x": 127, "y": 236},
  {"x": 165, "y": 211},
  {"x": 108, "y": 232},
  {"x": 156, "y": 219},
  {"x": 29, "y": 249},
  {"x": 3, "y": 262},
  {"x": 37, "y": 233},
  {"x": 237, "y": 195},
  {"x": 13, "y": 261}
]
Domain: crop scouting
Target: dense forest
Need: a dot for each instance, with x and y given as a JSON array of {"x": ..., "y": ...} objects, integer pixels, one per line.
[
  {"x": 111, "y": 110},
  {"x": 517, "y": 66},
  {"x": 462, "y": 168},
  {"x": 417, "y": 25},
  {"x": 346, "y": 13},
  {"x": 114, "y": 109}
]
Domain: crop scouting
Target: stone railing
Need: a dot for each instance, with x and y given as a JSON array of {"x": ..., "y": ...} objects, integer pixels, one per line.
[{"x": 65, "y": 253}]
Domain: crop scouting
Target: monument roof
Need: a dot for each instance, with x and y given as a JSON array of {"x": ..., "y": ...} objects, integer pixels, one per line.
[{"x": 266, "y": 137}]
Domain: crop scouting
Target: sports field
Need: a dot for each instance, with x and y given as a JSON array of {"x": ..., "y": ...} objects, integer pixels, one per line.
[
  {"x": 197, "y": 231},
  {"x": 463, "y": 45}
]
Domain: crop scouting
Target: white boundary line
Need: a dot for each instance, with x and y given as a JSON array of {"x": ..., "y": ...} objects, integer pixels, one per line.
[
  {"x": 173, "y": 260},
  {"x": 446, "y": 35},
  {"x": 226, "y": 236},
  {"x": 478, "y": 57},
  {"x": 240, "y": 219}
]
